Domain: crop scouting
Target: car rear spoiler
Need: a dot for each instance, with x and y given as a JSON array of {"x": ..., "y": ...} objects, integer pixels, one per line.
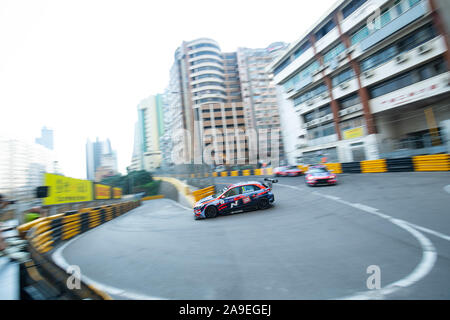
[{"x": 270, "y": 181}]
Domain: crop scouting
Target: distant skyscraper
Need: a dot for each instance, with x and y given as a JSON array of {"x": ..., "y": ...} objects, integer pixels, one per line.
[
  {"x": 22, "y": 165},
  {"x": 148, "y": 131},
  {"x": 100, "y": 157},
  {"x": 259, "y": 93},
  {"x": 46, "y": 138}
]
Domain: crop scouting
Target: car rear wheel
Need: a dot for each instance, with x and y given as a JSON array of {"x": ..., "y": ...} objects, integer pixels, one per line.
[
  {"x": 211, "y": 212},
  {"x": 263, "y": 203}
]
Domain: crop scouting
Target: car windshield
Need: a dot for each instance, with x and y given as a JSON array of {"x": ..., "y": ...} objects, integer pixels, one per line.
[
  {"x": 317, "y": 170},
  {"x": 220, "y": 192}
]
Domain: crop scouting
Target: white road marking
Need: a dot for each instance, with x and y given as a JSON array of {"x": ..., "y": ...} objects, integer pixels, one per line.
[
  {"x": 447, "y": 188},
  {"x": 427, "y": 262},
  {"x": 434, "y": 233},
  {"x": 59, "y": 259},
  {"x": 178, "y": 204}
]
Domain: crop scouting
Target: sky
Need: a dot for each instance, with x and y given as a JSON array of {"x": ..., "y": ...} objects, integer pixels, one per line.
[{"x": 81, "y": 67}]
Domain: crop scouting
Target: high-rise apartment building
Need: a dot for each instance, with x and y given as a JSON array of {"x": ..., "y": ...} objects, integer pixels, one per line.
[
  {"x": 22, "y": 165},
  {"x": 259, "y": 93},
  {"x": 205, "y": 91},
  {"x": 46, "y": 138},
  {"x": 149, "y": 129},
  {"x": 369, "y": 80},
  {"x": 100, "y": 158}
]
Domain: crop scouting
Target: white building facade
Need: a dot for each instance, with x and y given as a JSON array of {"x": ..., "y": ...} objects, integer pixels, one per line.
[{"x": 369, "y": 80}]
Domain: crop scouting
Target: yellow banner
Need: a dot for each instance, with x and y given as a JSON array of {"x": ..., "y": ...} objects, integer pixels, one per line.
[
  {"x": 102, "y": 192},
  {"x": 353, "y": 133},
  {"x": 66, "y": 190},
  {"x": 117, "y": 193}
]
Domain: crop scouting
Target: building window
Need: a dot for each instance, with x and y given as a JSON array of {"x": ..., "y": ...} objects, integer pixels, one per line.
[
  {"x": 301, "y": 49},
  {"x": 352, "y": 123},
  {"x": 407, "y": 43},
  {"x": 207, "y": 68},
  {"x": 408, "y": 78},
  {"x": 325, "y": 29},
  {"x": 343, "y": 76},
  {"x": 310, "y": 94},
  {"x": 349, "y": 101},
  {"x": 206, "y": 61},
  {"x": 283, "y": 65},
  {"x": 321, "y": 131},
  {"x": 213, "y": 53},
  {"x": 359, "y": 35},
  {"x": 202, "y": 45},
  {"x": 208, "y": 75},
  {"x": 351, "y": 7},
  {"x": 334, "y": 52}
]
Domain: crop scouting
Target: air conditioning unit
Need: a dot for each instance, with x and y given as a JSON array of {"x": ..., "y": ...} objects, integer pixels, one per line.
[
  {"x": 343, "y": 112},
  {"x": 324, "y": 95},
  {"x": 344, "y": 85},
  {"x": 368, "y": 74},
  {"x": 310, "y": 102},
  {"x": 446, "y": 80},
  {"x": 424, "y": 48},
  {"x": 401, "y": 58}
]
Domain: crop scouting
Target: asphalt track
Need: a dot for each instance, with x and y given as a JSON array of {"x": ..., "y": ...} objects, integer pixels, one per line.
[{"x": 313, "y": 243}]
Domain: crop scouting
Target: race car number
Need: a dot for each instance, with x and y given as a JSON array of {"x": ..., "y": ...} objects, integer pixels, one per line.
[{"x": 246, "y": 200}]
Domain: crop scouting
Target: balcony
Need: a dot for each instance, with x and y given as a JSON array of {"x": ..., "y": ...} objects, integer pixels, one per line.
[
  {"x": 322, "y": 140},
  {"x": 397, "y": 23},
  {"x": 407, "y": 60}
]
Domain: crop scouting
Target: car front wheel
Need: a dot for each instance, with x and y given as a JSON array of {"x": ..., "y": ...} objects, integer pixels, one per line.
[{"x": 211, "y": 212}]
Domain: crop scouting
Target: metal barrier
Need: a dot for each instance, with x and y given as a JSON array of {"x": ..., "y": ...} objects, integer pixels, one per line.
[
  {"x": 436, "y": 162},
  {"x": 44, "y": 234},
  {"x": 203, "y": 193}
]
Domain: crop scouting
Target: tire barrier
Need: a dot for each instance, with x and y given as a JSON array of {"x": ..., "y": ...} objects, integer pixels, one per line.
[
  {"x": 435, "y": 162},
  {"x": 159, "y": 196},
  {"x": 400, "y": 165},
  {"x": 44, "y": 234},
  {"x": 333, "y": 167},
  {"x": 372, "y": 166},
  {"x": 351, "y": 167},
  {"x": 203, "y": 193}
]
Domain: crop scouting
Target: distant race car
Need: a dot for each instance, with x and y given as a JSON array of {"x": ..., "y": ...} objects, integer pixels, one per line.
[
  {"x": 317, "y": 175},
  {"x": 237, "y": 197},
  {"x": 287, "y": 171}
]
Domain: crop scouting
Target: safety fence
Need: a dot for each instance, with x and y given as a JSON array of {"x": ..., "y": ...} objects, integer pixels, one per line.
[
  {"x": 436, "y": 162},
  {"x": 44, "y": 234}
]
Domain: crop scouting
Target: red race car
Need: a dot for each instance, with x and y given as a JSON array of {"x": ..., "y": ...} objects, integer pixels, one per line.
[
  {"x": 317, "y": 175},
  {"x": 287, "y": 171}
]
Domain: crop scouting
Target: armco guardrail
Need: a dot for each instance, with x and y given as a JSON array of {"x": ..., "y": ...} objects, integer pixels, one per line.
[{"x": 44, "y": 234}]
